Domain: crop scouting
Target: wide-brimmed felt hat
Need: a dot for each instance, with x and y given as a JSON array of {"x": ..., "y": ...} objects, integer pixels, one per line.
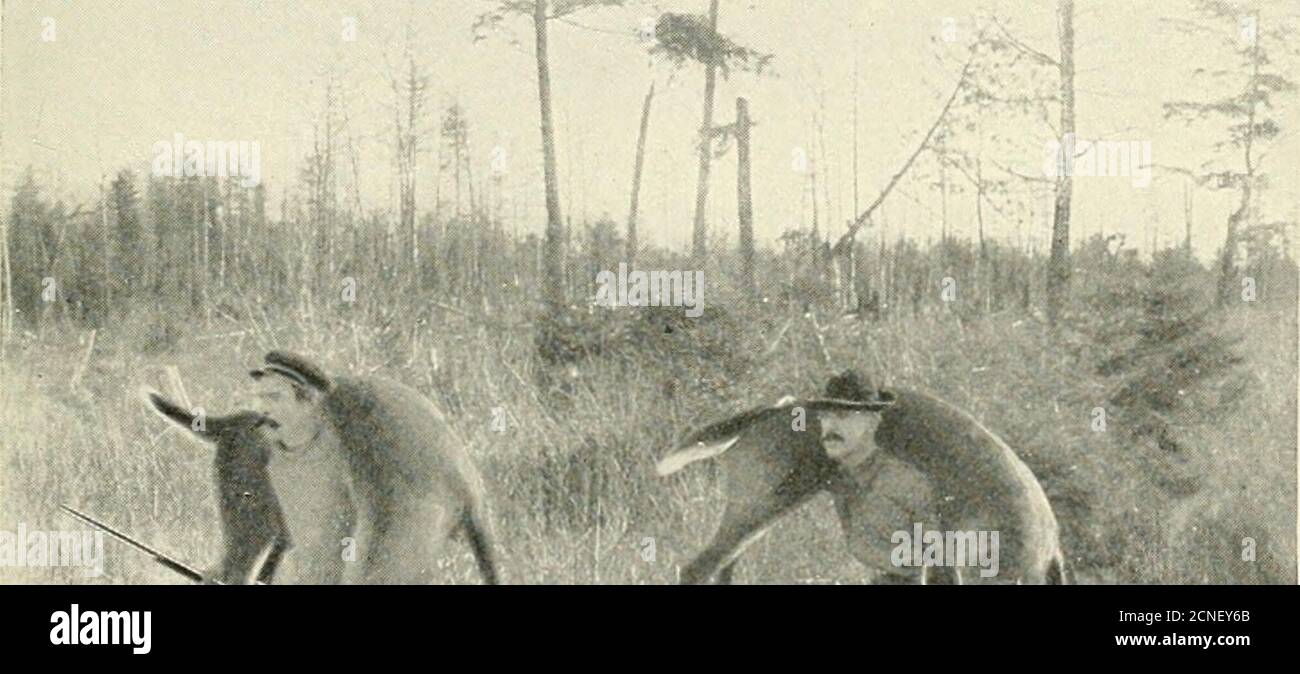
[{"x": 849, "y": 390}]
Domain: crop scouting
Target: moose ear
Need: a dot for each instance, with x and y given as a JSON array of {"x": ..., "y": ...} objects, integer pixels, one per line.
[
  {"x": 170, "y": 410},
  {"x": 684, "y": 456},
  {"x": 714, "y": 439},
  {"x": 277, "y": 378}
]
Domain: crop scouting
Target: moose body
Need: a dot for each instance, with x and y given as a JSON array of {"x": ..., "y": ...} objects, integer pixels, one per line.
[
  {"x": 349, "y": 480},
  {"x": 913, "y": 459},
  {"x": 314, "y": 488},
  {"x": 972, "y": 482},
  {"x": 411, "y": 481},
  {"x": 762, "y": 480}
]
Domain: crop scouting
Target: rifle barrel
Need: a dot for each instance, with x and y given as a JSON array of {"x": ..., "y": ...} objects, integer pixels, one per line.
[{"x": 160, "y": 557}]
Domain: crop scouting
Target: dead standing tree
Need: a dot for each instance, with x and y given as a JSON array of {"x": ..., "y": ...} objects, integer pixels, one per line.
[
  {"x": 1000, "y": 88},
  {"x": 999, "y": 78},
  {"x": 455, "y": 156},
  {"x": 1058, "y": 264},
  {"x": 551, "y": 337},
  {"x": 6, "y": 288},
  {"x": 744, "y": 200},
  {"x": 632, "y": 242},
  {"x": 846, "y": 239},
  {"x": 992, "y": 75},
  {"x": 318, "y": 177},
  {"x": 739, "y": 132},
  {"x": 1242, "y": 32},
  {"x": 698, "y": 242},
  {"x": 542, "y": 12},
  {"x": 410, "y": 90},
  {"x": 683, "y": 37}
]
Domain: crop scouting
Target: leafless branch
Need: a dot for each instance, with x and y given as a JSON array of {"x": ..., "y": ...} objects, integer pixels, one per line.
[
  {"x": 1024, "y": 48},
  {"x": 847, "y": 238}
]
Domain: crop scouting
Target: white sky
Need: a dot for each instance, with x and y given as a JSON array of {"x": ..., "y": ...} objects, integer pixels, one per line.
[{"x": 124, "y": 74}]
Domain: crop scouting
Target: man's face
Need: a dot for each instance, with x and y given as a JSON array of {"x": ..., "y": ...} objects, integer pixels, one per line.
[
  {"x": 292, "y": 407},
  {"x": 849, "y": 436}
]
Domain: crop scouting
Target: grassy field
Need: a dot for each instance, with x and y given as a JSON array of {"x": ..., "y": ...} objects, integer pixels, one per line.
[{"x": 570, "y": 478}]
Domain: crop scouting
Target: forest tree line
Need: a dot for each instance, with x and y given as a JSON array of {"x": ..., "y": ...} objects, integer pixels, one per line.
[{"x": 210, "y": 245}]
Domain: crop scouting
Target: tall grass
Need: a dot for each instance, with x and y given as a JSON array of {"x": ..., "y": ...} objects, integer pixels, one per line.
[{"x": 570, "y": 476}]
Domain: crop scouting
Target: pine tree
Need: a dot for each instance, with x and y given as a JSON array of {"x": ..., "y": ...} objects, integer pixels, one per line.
[{"x": 130, "y": 260}]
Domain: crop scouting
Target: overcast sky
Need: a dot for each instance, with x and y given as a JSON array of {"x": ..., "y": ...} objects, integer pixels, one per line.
[{"x": 119, "y": 76}]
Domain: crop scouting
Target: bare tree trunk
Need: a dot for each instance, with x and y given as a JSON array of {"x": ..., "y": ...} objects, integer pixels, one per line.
[
  {"x": 816, "y": 224},
  {"x": 698, "y": 241},
  {"x": 979, "y": 207},
  {"x": 553, "y": 283},
  {"x": 206, "y": 225},
  {"x": 223, "y": 192},
  {"x": 828, "y": 207},
  {"x": 456, "y": 180},
  {"x": 196, "y": 230},
  {"x": 942, "y": 151},
  {"x": 1058, "y": 265},
  {"x": 474, "y": 204},
  {"x": 745, "y": 205},
  {"x": 981, "y": 262},
  {"x": 108, "y": 250},
  {"x": 408, "y": 99},
  {"x": 632, "y": 242},
  {"x": 850, "y": 300},
  {"x": 437, "y": 183},
  {"x": 865, "y": 215},
  {"x": 7, "y": 280},
  {"x": 1227, "y": 258}
]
